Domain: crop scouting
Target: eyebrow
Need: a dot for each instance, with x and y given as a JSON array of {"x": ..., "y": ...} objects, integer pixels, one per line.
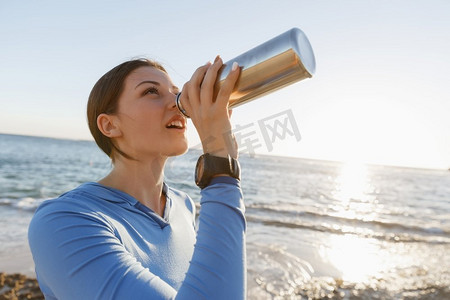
[
  {"x": 147, "y": 81},
  {"x": 156, "y": 83}
]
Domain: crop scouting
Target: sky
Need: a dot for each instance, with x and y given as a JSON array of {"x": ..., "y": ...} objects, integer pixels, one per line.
[{"x": 379, "y": 94}]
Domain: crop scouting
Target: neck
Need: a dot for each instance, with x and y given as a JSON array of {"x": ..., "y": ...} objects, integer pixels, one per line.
[{"x": 142, "y": 180}]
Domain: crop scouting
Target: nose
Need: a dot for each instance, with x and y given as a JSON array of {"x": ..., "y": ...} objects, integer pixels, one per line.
[{"x": 172, "y": 104}]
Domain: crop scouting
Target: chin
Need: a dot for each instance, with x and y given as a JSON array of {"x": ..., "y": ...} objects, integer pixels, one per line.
[{"x": 178, "y": 149}]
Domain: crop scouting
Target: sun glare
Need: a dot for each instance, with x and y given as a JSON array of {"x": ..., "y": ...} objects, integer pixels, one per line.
[
  {"x": 352, "y": 181},
  {"x": 353, "y": 197},
  {"x": 356, "y": 258}
]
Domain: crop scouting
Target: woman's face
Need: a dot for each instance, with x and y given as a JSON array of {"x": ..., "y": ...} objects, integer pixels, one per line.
[{"x": 148, "y": 119}]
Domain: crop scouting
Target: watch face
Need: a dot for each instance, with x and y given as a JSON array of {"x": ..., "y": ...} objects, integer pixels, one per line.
[{"x": 236, "y": 169}]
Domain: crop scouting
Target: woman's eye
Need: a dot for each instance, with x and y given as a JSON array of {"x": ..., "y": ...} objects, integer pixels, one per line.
[{"x": 152, "y": 90}]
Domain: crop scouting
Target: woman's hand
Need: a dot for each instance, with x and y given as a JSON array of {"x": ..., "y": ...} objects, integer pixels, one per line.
[{"x": 211, "y": 116}]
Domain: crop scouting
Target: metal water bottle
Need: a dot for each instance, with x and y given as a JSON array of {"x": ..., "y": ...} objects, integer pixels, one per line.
[{"x": 279, "y": 62}]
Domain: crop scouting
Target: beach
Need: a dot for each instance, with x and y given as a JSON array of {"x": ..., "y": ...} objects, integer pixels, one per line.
[
  {"x": 19, "y": 286},
  {"x": 315, "y": 229},
  {"x": 17, "y": 277}
]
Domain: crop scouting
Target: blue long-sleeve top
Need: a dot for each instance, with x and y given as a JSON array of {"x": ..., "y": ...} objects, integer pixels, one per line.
[{"x": 96, "y": 242}]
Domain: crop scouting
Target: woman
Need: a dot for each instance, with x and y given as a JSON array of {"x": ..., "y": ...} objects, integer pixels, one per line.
[{"x": 129, "y": 235}]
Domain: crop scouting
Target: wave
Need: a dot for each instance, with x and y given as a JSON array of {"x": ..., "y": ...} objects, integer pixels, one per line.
[
  {"x": 26, "y": 203},
  {"x": 390, "y": 231},
  {"x": 336, "y": 288},
  {"x": 276, "y": 273},
  {"x": 308, "y": 220}
]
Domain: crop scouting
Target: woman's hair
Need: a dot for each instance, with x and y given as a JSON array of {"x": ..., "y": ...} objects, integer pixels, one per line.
[{"x": 104, "y": 98}]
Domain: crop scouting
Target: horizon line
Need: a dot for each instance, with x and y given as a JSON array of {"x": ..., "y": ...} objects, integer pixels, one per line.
[{"x": 250, "y": 155}]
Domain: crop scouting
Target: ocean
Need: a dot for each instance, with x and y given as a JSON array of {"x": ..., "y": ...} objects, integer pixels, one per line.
[{"x": 315, "y": 229}]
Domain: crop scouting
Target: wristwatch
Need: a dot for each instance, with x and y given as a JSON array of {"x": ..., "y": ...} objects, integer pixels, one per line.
[{"x": 209, "y": 165}]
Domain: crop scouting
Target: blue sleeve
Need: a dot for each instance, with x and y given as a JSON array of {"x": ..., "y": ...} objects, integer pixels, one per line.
[
  {"x": 80, "y": 257},
  {"x": 218, "y": 266}
]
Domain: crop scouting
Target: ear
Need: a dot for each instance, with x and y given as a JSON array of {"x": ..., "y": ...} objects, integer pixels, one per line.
[{"x": 107, "y": 124}]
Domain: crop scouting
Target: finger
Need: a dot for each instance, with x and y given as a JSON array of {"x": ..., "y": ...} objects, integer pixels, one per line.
[
  {"x": 207, "y": 90},
  {"x": 228, "y": 85},
  {"x": 194, "y": 84}
]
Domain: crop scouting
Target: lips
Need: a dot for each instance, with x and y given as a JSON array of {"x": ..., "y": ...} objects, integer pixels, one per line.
[{"x": 176, "y": 122}]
